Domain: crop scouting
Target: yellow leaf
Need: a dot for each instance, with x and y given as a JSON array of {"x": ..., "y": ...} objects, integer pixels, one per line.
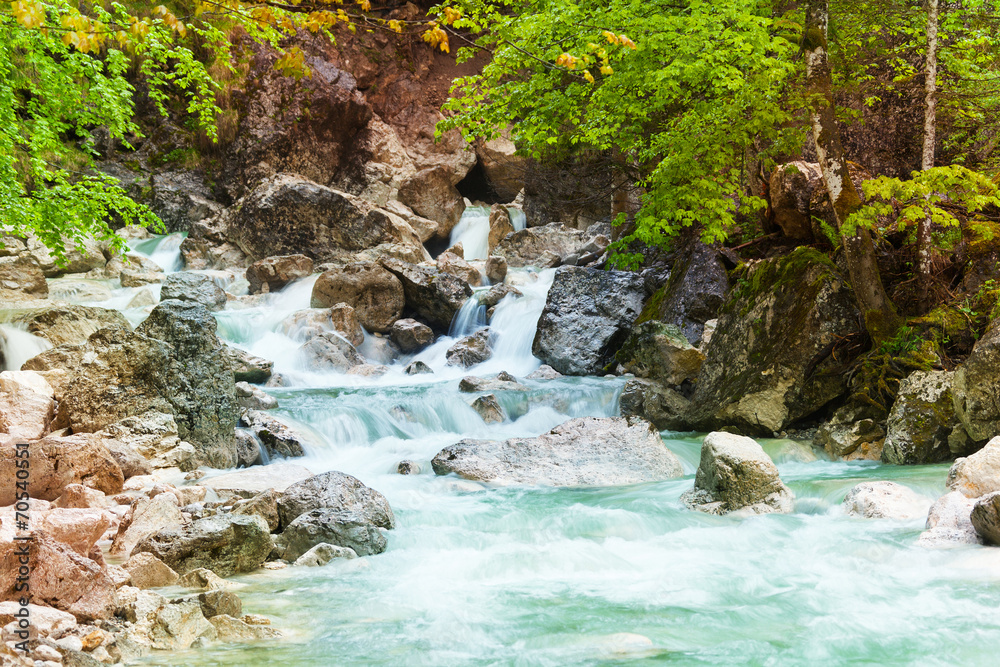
[
  {"x": 610, "y": 36},
  {"x": 395, "y": 26},
  {"x": 365, "y": 5},
  {"x": 606, "y": 70},
  {"x": 588, "y": 76}
]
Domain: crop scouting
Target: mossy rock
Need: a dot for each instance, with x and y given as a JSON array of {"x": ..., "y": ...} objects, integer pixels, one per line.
[{"x": 921, "y": 420}]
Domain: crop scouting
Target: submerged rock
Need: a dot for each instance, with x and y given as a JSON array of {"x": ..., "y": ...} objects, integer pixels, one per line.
[
  {"x": 470, "y": 350},
  {"x": 323, "y": 553},
  {"x": 581, "y": 452},
  {"x": 330, "y": 351},
  {"x": 921, "y": 419},
  {"x": 489, "y": 409},
  {"x": 885, "y": 500},
  {"x": 502, "y": 382},
  {"x": 588, "y": 315},
  {"x": 417, "y": 368},
  {"x": 735, "y": 474}
]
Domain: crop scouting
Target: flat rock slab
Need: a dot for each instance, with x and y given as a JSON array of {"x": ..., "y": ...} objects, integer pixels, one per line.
[
  {"x": 248, "y": 482},
  {"x": 581, "y": 452}
]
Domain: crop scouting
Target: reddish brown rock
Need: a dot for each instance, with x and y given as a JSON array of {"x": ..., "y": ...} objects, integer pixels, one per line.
[
  {"x": 57, "y": 461},
  {"x": 273, "y": 273}
]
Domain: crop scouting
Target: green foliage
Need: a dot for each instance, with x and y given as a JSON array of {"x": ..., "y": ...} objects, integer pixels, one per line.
[
  {"x": 879, "y": 372},
  {"x": 671, "y": 93},
  {"x": 933, "y": 193}
]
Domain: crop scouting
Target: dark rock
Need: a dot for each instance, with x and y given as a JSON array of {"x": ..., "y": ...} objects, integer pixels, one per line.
[
  {"x": 224, "y": 544},
  {"x": 337, "y": 492},
  {"x": 247, "y": 367},
  {"x": 417, "y": 368},
  {"x": 660, "y": 351},
  {"x": 278, "y": 438},
  {"x": 661, "y": 405},
  {"x": 433, "y": 295},
  {"x": 588, "y": 315},
  {"x": 331, "y": 526}
]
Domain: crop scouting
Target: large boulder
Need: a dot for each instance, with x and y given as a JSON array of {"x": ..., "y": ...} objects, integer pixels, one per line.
[
  {"x": 325, "y": 525},
  {"x": 735, "y": 474},
  {"x": 772, "y": 360},
  {"x": 21, "y": 279},
  {"x": 58, "y": 577},
  {"x": 978, "y": 474},
  {"x": 173, "y": 363},
  {"x": 338, "y": 492},
  {"x": 450, "y": 262},
  {"x": 288, "y": 214},
  {"x": 224, "y": 544},
  {"x": 145, "y": 517},
  {"x": 949, "y": 522},
  {"x": 61, "y": 324},
  {"x": 976, "y": 387},
  {"x": 581, "y": 452},
  {"x": 194, "y": 287},
  {"x": 885, "y": 500},
  {"x": 500, "y": 226},
  {"x": 693, "y": 295},
  {"x": 153, "y": 437},
  {"x": 504, "y": 169},
  {"x": 921, "y": 419},
  {"x": 375, "y": 294},
  {"x": 435, "y": 296},
  {"x": 588, "y": 315},
  {"x": 432, "y": 194},
  {"x": 58, "y": 461},
  {"x": 536, "y": 246},
  {"x": 181, "y": 198},
  {"x": 660, "y": 351},
  {"x": 24, "y": 412},
  {"x": 272, "y": 273}
]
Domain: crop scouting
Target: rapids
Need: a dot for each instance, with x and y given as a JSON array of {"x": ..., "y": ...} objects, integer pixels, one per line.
[{"x": 541, "y": 576}]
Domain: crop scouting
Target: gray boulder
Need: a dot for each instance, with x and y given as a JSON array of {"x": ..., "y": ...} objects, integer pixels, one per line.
[
  {"x": 773, "y": 359},
  {"x": 68, "y": 324},
  {"x": 735, "y": 474},
  {"x": 331, "y": 351},
  {"x": 323, "y": 553},
  {"x": 332, "y": 526},
  {"x": 949, "y": 522},
  {"x": 921, "y": 419},
  {"x": 978, "y": 474},
  {"x": 502, "y": 382},
  {"x": 581, "y": 452},
  {"x": 663, "y": 406},
  {"x": 489, "y": 408},
  {"x": 224, "y": 544},
  {"x": 588, "y": 315},
  {"x": 338, "y": 492},
  {"x": 530, "y": 247},
  {"x": 196, "y": 287},
  {"x": 693, "y": 295}
]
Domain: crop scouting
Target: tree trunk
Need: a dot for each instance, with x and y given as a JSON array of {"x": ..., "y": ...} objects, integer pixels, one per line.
[
  {"x": 924, "y": 247},
  {"x": 880, "y": 315}
]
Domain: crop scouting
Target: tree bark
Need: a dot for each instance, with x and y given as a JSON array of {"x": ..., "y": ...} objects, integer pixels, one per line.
[
  {"x": 924, "y": 245},
  {"x": 880, "y": 315}
]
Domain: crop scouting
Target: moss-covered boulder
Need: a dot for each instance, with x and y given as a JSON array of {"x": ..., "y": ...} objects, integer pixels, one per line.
[
  {"x": 976, "y": 387},
  {"x": 777, "y": 354},
  {"x": 921, "y": 419},
  {"x": 660, "y": 351},
  {"x": 654, "y": 402}
]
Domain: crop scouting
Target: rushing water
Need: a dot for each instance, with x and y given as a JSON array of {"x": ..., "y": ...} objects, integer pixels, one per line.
[
  {"x": 541, "y": 576},
  {"x": 473, "y": 230}
]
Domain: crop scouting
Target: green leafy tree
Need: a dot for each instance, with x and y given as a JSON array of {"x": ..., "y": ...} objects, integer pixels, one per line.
[{"x": 674, "y": 92}]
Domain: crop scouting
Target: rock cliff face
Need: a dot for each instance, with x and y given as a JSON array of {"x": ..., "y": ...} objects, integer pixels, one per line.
[{"x": 770, "y": 361}]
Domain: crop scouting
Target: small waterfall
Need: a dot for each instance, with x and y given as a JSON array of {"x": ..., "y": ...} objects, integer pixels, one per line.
[
  {"x": 17, "y": 346},
  {"x": 473, "y": 232},
  {"x": 164, "y": 250},
  {"x": 469, "y": 319},
  {"x": 517, "y": 218}
]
